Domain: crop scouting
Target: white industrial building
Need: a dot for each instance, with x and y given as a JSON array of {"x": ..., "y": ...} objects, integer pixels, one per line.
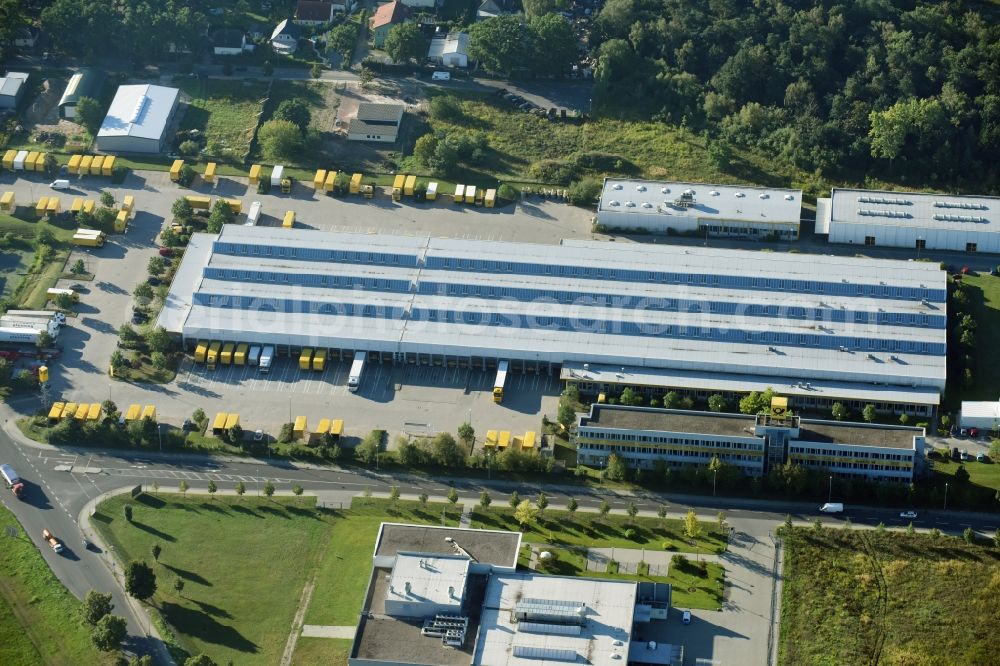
[
  {"x": 911, "y": 219},
  {"x": 753, "y": 443},
  {"x": 740, "y": 211},
  {"x": 450, "y": 50},
  {"x": 841, "y": 323},
  {"x": 138, "y": 119},
  {"x": 12, "y": 87},
  {"x": 982, "y": 415}
]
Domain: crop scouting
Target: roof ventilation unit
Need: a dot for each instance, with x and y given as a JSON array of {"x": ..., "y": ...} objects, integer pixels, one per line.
[
  {"x": 789, "y": 197},
  {"x": 616, "y": 186},
  {"x": 764, "y": 195},
  {"x": 714, "y": 193},
  {"x": 640, "y": 188},
  {"x": 140, "y": 106},
  {"x": 740, "y": 195}
]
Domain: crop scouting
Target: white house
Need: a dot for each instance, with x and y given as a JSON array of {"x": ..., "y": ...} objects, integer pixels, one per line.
[
  {"x": 376, "y": 122},
  {"x": 285, "y": 38},
  {"x": 313, "y": 12},
  {"x": 228, "y": 41},
  {"x": 451, "y": 50},
  {"x": 12, "y": 87},
  {"x": 424, "y": 4},
  {"x": 26, "y": 36}
]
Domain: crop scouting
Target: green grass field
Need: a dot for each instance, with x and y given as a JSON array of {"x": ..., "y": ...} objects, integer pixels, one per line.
[
  {"x": 864, "y": 597},
  {"x": 226, "y": 111},
  {"x": 39, "y": 619},
  {"x": 562, "y": 528},
  {"x": 25, "y": 281},
  {"x": 985, "y": 296},
  {"x": 326, "y": 651}
]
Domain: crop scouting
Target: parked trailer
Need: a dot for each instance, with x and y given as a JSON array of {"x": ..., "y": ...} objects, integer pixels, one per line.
[
  {"x": 19, "y": 160},
  {"x": 357, "y": 367},
  {"x": 13, "y": 481},
  {"x": 266, "y": 358},
  {"x": 108, "y": 166},
  {"x": 289, "y": 220},
  {"x": 277, "y": 173},
  {"x": 96, "y": 165},
  {"x": 470, "y": 194},
  {"x": 253, "y": 356},
  {"x": 232, "y": 420},
  {"x": 29, "y": 160},
  {"x": 319, "y": 360},
  {"x": 212, "y": 356},
  {"x": 459, "y": 194},
  {"x": 7, "y": 203},
  {"x": 56, "y": 410},
  {"x": 94, "y": 411},
  {"x": 8, "y": 159},
  {"x": 54, "y": 206},
  {"x": 73, "y": 166},
  {"x": 85, "y": 163},
  {"x": 397, "y": 187},
  {"x": 76, "y": 206},
  {"x": 491, "y": 198},
  {"x": 175, "y": 170},
  {"x": 319, "y": 179},
  {"x": 411, "y": 183},
  {"x": 199, "y": 202},
  {"x": 240, "y": 354},
  {"x": 89, "y": 205},
  {"x": 132, "y": 413},
  {"x": 53, "y": 293},
  {"x": 121, "y": 221},
  {"x": 432, "y": 191},
  {"x": 88, "y": 240},
  {"x": 226, "y": 356},
  {"x": 501, "y": 379},
  {"x": 149, "y": 412},
  {"x": 356, "y": 183},
  {"x": 219, "y": 423},
  {"x": 128, "y": 203},
  {"x": 209, "y": 175},
  {"x": 255, "y": 175},
  {"x": 253, "y": 215},
  {"x": 300, "y": 427},
  {"x": 305, "y": 358},
  {"x": 16, "y": 335},
  {"x": 200, "y": 350},
  {"x": 330, "y": 182},
  {"x": 42, "y": 206},
  {"x": 235, "y": 205}
]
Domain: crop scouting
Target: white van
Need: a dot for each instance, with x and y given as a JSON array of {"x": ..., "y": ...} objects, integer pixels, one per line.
[
  {"x": 832, "y": 507},
  {"x": 60, "y": 184},
  {"x": 441, "y": 76}
]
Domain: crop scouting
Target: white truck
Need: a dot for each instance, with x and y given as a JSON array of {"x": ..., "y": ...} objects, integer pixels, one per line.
[
  {"x": 46, "y": 315},
  {"x": 266, "y": 358},
  {"x": 357, "y": 367},
  {"x": 253, "y": 356},
  {"x": 21, "y": 335},
  {"x": 832, "y": 507},
  {"x": 253, "y": 215},
  {"x": 277, "y": 173}
]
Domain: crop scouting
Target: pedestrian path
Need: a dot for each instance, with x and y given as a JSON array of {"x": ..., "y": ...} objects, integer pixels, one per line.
[
  {"x": 328, "y": 631},
  {"x": 466, "y": 520}
]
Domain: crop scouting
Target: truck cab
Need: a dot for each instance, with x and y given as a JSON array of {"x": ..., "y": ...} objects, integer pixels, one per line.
[
  {"x": 53, "y": 542},
  {"x": 12, "y": 480}
]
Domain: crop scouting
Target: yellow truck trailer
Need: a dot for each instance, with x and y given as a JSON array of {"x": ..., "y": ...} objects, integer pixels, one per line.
[
  {"x": 81, "y": 411},
  {"x": 319, "y": 360},
  {"x": 74, "y": 164},
  {"x": 212, "y": 356},
  {"x": 108, "y": 166},
  {"x": 209, "y": 175},
  {"x": 199, "y": 202},
  {"x": 132, "y": 413},
  {"x": 149, "y": 412},
  {"x": 504, "y": 439},
  {"x": 7, "y": 203},
  {"x": 289, "y": 220},
  {"x": 459, "y": 194},
  {"x": 226, "y": 356},
  {"x": 76, "y": 206},
  {"x": 88, "y": 240},
  {"x": 88, "y": 206},
  {"x": 200, "y": 350},
  {"x": 56, "y": 410},
  {"x": 29, "y": 161},
  {"x": 432, "y": 191},
  {"x": 121, "y": 221},
  {"x": 491, "y": 198},
  {"x": 240, "y": 354},
  {"x": 85, "y": 163},
  {"x": 8, "y": 159},
  {"x": 128, "y": 203},
  {"x": 235, "y": 205},
  {"x": 255, "y": 174},
  {"x": 175, "y": 170},
  {"x": 330, "y": 182},
  {"x": 529, "y": 440},
  {"x": 94, "y": 411},
  {"x": 40, "y": 162},
  {"x": 398, "y": 183},
  {"x": 42, "y": 206},
  {"x": 470, "y": 194},
  {"x": 317, "y": 435},
  {"x": 54, "y": 206},
  {"x": 319, "y": 179},
  {"x": 300, "y": 427},
  {"x": 96, "y": 165},
  {"x": 479, "y": 197},
  {"x": 411, "y": 183},
  {"x": 337, "y": 428},
  {"x": 232, "y": 420},
  {"x": 356, "y": 183},
  {"x": 69, "y": 411},
  {"x": 219, "y": 423},
  {"x": 305, "y": 358}
]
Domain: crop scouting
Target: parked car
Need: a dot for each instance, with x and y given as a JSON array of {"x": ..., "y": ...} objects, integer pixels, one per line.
[
  {"x": 166, "y": 251},
  {"x": 686, "y": 617},
  {"x": 78, "y": 287},
  {"x": 53, "y": 542},
  {"x": 980, "y": 457},
  {"x": 908, "y": 515}
]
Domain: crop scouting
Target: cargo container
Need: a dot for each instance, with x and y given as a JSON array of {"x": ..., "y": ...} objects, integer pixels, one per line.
[
  {"x": 255, "y": 174},
  {"x": 253, "y": 215},
  {"x": 316, "y": 436},
  {"x": 459, "y": 194},
  {"x": 226, "y": 355},
  {"x": 175, "y": 170},
  {"x": 108, "y": 166},
  {"x": 266, "y": 358},
  {"x": 95, "y": 165},
  {"x": 330, "y": 182},
  {"x": 503, "y": 441},
  {"x": 253, "y": 356},
  {"x": 56, "y": 410},
  {"x": 411, "y": 183},
  {"x": 88, "y": 206},
  {"x": 7, "y": 203},
  {"x": 42, "y": 206},
  {"x": 240, "y": 354},
  {"x": 356, "y": 183},
  {"x": 19, "y": 159},
  {"x": 432, "y": 191},
  {"x": 149, "y": 412},
  {"x": 128, "y": 203},
  {"x": 209, "y": 175},
  {"x": 319, "y": 179},
  {"x": 76, "y": 206},
  {"x": 300, "y": 427},
  {"x": 500, "y": 381},
  {"x": 73, "y": 166},
  {"x": 219, "y": 423},
  {"x": 277, "y": 173},
  {"x": 337, "y": 429},
  {"x": 132, "y": 413},
  {"x": 212, "y": 356},
  {"x": 232, "y": 420},
  {"x": 29, "y": 160},
  {"x": 357, "y": 368},
  {"x": 54, "y": 206},
  {"x": 305, "y": 358},
  {"x": 81, "y": 411},
  {"x": 319, "y": 360},
  {"x": 470, "y": 194},
  {"x": 289, "y": 220},
  {"x": 199, "y": 202},
  {"x": 85, "y": 163},
  {"x": 69, "y": 411},
  {"x": 8, "y": 159},
  {"x": 235, "y": 205},
  {"x": 121, "y": 221},
  {"x": 94, "y": 411},
  {"x": 397, "y": 187},
  {"x": 491, "y": 198},
  {"x": 54, "y": 293},
  {"x": 87, "y": 240},
  {"x": 529, "y": 440},
  {"x": 200, "y": 350}
]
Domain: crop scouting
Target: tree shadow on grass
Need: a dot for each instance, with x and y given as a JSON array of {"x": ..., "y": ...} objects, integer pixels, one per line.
[
  {"x": 204, "y": 627},
  {"x": 212, "y": 610},
  {"x": 273, "y": 511},
  {"x": 188, "y": 575},
  {"x": 302, "y": 512},
  {"x": 150, "y": 501},
  {"x": 245, "y": 510},
  {"x": 214, "y": 507},
  {"x": 155, "y": 532}
]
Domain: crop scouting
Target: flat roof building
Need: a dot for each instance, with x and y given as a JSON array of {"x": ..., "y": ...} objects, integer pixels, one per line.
[
  {"x": 788, "y": 318},
  {"x": 138, "y": 119},
  {"x": 915, "y": 220},
  {"x": 12, "y": 87},
  {"x": 376, "y": 122},
  {"x": 752, "y": 443},
  {"x": 741, "y": 211}
]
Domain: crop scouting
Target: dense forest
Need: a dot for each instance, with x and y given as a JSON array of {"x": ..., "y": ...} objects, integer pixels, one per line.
[{"x": 909, "y": 91}]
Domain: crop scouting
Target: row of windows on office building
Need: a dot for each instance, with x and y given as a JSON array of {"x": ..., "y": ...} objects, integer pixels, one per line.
[
  {"x": 587, "y": 434},
  {"x": 587, "y": 272},
  {"x": 705, "y": 456},
  {"x": 850, "y": 453},
  {"x": 837, "y": 466}
]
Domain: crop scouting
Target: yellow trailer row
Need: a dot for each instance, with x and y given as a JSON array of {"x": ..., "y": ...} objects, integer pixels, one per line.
[
  {"x": 84, "y": 165},
  {"x": 470, "y": 194},
  {"x": 332, "y": 427},
  {"x": 501, "y": 439},
  {"x": 81, "y": 205},
  {"x": 136, "y": 412},
  {"x": 224, "y": 421},
  {"x": 80, "y": 411},
  {"x": 226, "y": 353},
  {"x": 47, "y": 206},
  {"x": 310, "y": 359}
]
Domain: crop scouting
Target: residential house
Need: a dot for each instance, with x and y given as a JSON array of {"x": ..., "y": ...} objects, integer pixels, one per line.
[
  {"x": 376, "y": 122},
  {"x": 344, "y": 5},
  {"x": 313, "y": 12},
  {"x": 256, "y": 31},
  {"x": 12, "y": 87},
  {"x": 451, "y": 50},
  {"x": 285, "y": 38},
  {"x": 386, "y": 16},
  {"x": 228, "y": 41},
  {"x": 26, "y": 37},
  {"x": 493, "y": 8},
  {"x": 421, "y": 4}
]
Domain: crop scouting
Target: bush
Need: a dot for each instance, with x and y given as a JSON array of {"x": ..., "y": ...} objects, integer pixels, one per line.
[
  {"x": 189, "y": 147},
  {"x": 630, "y": 534},
  {"x": 508, "y": 192},
  {"x": 286, "y": 433},
  {"x": 187, "y": 175},
  {"x": 584, "y": 192}
]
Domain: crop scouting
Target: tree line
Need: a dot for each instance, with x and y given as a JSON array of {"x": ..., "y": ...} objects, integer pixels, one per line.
[{"x": 907, "y": 90}]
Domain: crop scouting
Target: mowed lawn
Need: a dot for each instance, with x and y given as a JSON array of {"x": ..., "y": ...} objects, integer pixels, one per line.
[
  {"x": 39, "y": 619},
  {"x": 985, "y": 297},
  {"x": 226, "y": 111},
  {"x": 244, "y": 563},
  {"x": 863, "y": 597},
  {"x": 592, "y": 530}
]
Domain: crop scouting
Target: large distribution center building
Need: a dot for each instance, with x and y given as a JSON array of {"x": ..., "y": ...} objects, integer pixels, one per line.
[
  {"x": 741, "y": 211},
  {"x": 138, "y": 119},
  {"x": 911, "y": 219},
  {"x": 722, "y": 319}
]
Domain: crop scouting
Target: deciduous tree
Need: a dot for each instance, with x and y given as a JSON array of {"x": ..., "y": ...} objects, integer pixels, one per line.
[
  {"x": 108, "y": 633},
  {"x": 95, "y": 606},
  {"x": 140, "y": 581},
  {"x": 406, "y": 42}
]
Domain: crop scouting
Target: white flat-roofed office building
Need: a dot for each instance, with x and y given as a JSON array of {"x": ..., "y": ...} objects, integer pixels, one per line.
[
  {"x": 911, "y": 219},
  {"x": 842, "y": 322},
  {"x": 741, "y": 211},
  {"x": 754, "y": 444},
  {"x": 138, "y": 119}
]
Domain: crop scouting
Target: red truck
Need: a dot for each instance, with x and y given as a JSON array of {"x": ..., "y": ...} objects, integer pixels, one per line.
[{"x": 12, "y": 480}]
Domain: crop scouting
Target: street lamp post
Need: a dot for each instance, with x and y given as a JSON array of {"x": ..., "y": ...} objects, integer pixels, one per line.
[
  {"x": 829, "y": 497},
  {"x": 946, "y": 496},
  {"x": 715, "y": 474}
]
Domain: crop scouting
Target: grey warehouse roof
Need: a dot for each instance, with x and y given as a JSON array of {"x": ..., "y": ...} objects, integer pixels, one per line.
[
  {"x": 915, "y": 209},
  {"x": 722, "y": 202},
  {"x": 140, "y": 111},
  {"x": 790, "y": 317}
]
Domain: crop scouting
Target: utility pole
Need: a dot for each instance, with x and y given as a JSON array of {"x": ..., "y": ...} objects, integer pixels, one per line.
[
  {"x": 945, "y": 496},
  {"x": 829, "y": 497}
]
